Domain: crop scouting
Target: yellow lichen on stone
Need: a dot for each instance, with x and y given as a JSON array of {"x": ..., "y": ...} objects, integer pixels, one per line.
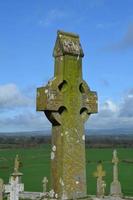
[{"x": 67, "y": 102}]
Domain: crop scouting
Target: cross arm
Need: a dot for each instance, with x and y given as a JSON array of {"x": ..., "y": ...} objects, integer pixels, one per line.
[
  {"x": 7, "y": 188},
  {"x": 99, "y": 174},
  {"x": 90, "y": 101},
  {"x": 48, "y": 99},
  {"x": 41, "y": 99},
  {"x": 115, "y": 160}
]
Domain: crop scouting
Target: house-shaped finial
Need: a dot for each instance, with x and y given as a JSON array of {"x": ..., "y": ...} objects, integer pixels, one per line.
[{"x": 67, "y": 44}]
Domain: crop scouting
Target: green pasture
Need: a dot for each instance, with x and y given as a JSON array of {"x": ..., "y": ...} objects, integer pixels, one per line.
[{"x": 36, "y": 165}]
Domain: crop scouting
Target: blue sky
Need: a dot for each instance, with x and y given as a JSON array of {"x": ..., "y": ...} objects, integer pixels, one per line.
[{"x": 27, "y": 35}]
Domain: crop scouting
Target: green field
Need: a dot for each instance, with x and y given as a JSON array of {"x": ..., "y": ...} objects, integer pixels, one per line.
[{"x": 36, "y": 165}]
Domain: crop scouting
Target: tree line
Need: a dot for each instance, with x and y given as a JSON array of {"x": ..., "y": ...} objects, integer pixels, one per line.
[{"x": 96, "y": 141}]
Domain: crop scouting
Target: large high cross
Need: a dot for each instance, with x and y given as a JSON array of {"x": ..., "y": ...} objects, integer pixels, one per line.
[{"x": 67, "y": 102}]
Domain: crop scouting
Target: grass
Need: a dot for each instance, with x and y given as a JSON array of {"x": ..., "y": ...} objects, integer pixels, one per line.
[{"x": 36, "y": 165}]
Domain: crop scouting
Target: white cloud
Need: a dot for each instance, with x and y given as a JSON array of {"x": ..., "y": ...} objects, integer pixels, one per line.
[
  {"x": 52, "y": 16},
  {"x": 112, "y": 115},
  {"x": 19, "y": 112},
  {"x": 24, "y": 121},
  {"x": 126, "y": 107},
  {"x": 11, "y": 97},
  {"x": 110, "y": 106}
]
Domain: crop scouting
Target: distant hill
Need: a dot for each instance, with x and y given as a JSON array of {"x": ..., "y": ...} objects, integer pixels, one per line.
[
  {"x": 94, "y": 138},
  {"x": 26, "y": 133},
  {"x": 118, "y": 131},
  {"x": 87, "y": 131}
]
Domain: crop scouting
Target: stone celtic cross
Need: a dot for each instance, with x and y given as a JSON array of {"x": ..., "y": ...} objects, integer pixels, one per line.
[
  {"x": 67, "y": 102},
  {"x": 99, "y": 174},
  {"x": 115, "y": 188},
  {"x": 115, "y": 161}
]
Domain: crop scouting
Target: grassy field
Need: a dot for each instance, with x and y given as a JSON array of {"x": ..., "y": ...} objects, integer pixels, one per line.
[{"x": 36, "y": 165}]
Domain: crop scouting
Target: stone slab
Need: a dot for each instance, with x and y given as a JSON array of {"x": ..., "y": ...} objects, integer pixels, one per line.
[
  {"x": 31, "y": 195},
  {"x": 39, "y": 196},
  {"x": 111, "y": 198}
]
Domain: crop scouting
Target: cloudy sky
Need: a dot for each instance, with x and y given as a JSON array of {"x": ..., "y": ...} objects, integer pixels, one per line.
[{"x": 27, "y": 36}]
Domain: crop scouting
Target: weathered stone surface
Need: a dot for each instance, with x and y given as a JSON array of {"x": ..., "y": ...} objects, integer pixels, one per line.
[
  {"x": 16, "y": 164},
  {"x": 31, "y": 195},
  {"x": 108, "y": 198},
  {"x": 99, "y": 174},
  {"x": 115, "y": 188},
  {"x": 45, "y": 182},
  {"x": 14, "y": 188},
  {"x": 67, "y": 102}
]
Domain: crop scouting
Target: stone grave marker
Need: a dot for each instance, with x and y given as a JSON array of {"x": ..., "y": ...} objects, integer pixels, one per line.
[
  {"x": 101, "y": 185},
  {"x": 14, "y": 188},
  {"x": 115, "y": 188},
  {"x": 67, "y": 101},
  {"x": 45, "y": 182}
]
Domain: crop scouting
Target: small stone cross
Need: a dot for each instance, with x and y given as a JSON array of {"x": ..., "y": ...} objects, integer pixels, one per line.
[
  {"x": 115, "y": 161},
  {"x": 115, "y": 188},
  {"x": 14, "y": 188},
  {"x": 99, "y": 174},
  {"x": 45, "y": 182}
]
